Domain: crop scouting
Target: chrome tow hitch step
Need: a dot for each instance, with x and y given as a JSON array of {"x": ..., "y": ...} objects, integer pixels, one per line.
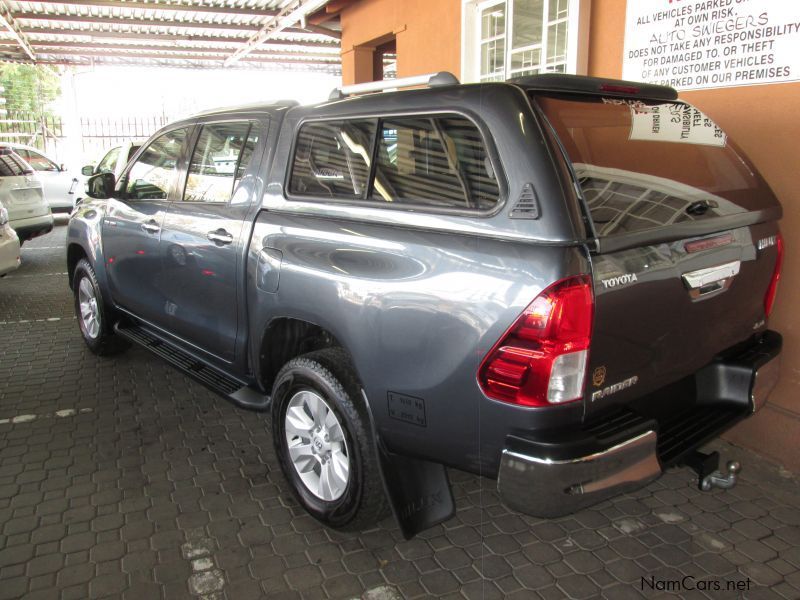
[{"x": 709, "y": 474}]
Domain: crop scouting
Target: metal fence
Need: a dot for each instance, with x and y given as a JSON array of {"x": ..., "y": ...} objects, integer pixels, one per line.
[
  {"x": 86, "y": 140},
  {"x": 40, "y": 131},
  {"x": 100, "y": 133}
]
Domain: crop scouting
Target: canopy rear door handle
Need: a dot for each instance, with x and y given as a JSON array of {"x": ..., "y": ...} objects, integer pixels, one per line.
[
  {"x": 712, "y": 279},
  {"x": 151, "y": 226},
  {"x": 220, "y": 236}
]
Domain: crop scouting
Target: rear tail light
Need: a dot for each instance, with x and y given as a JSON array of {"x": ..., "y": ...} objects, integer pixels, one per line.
[
  {"x": 769, "y": 298},
  {"x": 541, "y": 360}
]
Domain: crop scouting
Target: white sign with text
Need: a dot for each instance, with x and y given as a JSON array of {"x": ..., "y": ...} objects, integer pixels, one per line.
[{"x": 698, "y": 44}]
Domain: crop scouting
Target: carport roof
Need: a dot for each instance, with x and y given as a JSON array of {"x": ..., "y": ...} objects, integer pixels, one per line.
[{"x": 176, "y": 33}]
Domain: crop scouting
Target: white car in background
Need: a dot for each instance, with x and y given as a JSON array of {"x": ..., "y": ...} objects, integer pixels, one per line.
[
  {"x": 113, "y": 161},
  {"x": 9, "y": 244},
  {"x": 60, "y": 186},
  {"x": 21, "y": 193}
]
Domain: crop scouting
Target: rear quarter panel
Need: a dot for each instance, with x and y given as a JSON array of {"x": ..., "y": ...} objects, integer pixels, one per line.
[{"x": 417, "y": 310}]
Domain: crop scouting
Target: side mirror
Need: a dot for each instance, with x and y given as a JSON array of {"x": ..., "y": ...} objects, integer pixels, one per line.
[
  {"x": 100, "y": 186},
  {"x": 87, "y": 171},
  {"x": 62, "y": 167}
]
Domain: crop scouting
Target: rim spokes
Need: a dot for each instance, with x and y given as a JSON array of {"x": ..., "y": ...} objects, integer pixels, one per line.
[
  {"x": 90, "y": 315},
  {"x": 317, "y": 446}
]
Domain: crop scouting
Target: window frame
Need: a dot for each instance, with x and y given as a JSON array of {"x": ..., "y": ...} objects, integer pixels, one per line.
[
  {"x": 194, "y": 140},
  {"x": 366, "y": 202},
  {"x": 576, "y": 51},
  {"x": 120, "y": 186}
]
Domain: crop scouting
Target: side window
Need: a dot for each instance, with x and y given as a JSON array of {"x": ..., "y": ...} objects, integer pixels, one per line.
[
  {"x": 38, "y": 161},
  {"x": 332, "y": 159},
  {"x": 434, "y": 161},
  {"x": 108, "y": 162},
  {"x": 152, "y": 175},
  {"x": 218, "y": 162}
]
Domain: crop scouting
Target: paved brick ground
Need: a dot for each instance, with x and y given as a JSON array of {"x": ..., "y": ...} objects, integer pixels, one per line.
[{"x": 123, "y": 478}]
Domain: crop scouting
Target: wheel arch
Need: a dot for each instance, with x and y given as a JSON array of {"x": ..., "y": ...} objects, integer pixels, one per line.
[
  {"x": 285, "y": 338},
  {"x": 75, "y": 252}
]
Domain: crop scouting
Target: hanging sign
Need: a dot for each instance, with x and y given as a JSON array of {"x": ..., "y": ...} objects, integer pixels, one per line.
[{"x": 699, "y": 44}]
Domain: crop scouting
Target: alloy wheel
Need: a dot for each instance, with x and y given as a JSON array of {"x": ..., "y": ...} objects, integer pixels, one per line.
[{"x": 317, "y": 445}]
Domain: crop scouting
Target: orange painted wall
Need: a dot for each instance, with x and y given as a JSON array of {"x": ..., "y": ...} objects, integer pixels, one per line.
[
  {"x": 428, "y": 36},
  {"x": 765, "y": 122}
]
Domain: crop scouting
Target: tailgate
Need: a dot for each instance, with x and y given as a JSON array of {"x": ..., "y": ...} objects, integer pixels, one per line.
[{"x": 687, "y": 238}]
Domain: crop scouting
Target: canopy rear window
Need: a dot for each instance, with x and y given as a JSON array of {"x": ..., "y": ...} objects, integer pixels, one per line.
[{"x": 648, "y": 165}]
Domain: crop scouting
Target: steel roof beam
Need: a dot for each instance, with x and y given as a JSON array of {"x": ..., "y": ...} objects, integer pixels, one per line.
[
  {"x": 7, "y": 20},
  {"x": 289, "y": 16},
  {"x": 178, "y": 56},
  {"x": 160, "y": 6},
  {"x": 53, "y": 48},
  {"x": 32, "y": 33},
  {"x": 32, "y": 16}
]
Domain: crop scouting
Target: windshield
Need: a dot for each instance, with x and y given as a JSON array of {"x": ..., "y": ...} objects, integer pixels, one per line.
[{"x": 647, "y": 165}]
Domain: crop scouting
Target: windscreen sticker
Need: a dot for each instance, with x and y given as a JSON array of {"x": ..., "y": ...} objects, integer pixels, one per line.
[{"x": 678, "y": 123}]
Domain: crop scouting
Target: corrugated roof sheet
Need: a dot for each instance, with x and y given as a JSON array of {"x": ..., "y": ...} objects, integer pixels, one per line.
[{"x": 185, "y": 33}]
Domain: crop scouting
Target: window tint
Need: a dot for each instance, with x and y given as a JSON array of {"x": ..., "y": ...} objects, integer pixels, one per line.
[
  {"x": 12, "y": 165},
  {"x": 440, "y": 162},
  {"x": 38, "y": 161},
  {"x": 151, "y": 176},
  {"x": 215, "y": 164},
  {"x": 647, "y": 165},
  {"x": 109, "y": 162},
  {"x": 332, "y": 159}
]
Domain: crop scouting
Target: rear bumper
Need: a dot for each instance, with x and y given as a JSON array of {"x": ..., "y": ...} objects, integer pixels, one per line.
[
  {"x": 9, "y": 250},
  {"x": 33, "y": 226},
  {"x": 559, "y": 473}
]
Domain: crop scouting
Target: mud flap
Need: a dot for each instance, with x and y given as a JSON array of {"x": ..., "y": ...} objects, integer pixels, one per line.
[{"x": 418, "y": 490}]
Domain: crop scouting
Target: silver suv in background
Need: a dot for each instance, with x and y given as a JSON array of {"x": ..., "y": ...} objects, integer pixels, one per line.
[
  {"x": 22, "y": 194},
  {"x": 526, "y": 280},
  {"x": 58, "y": 184}
]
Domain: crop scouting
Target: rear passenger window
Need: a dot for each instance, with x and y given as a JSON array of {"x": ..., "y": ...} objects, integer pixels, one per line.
[
  {"x": 216, "y": 164},
  {"x": 439, "y": 162},
  {"x": 332, "y": 159},
  {"x": 435, "y": 161}
]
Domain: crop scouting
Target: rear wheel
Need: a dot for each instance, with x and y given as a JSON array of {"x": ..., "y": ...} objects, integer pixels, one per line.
[
  {"x": 91, "y": 312},
  {"x": 324, "y": 441}
]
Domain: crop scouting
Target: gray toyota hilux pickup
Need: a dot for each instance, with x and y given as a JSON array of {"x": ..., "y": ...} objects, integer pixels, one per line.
[{"x": 558, "y": 282}]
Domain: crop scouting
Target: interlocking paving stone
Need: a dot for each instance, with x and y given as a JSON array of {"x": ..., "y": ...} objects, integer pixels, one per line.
[{"x": 152, "y": 486}]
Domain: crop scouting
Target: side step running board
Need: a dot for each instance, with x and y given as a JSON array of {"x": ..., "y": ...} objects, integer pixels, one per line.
[{"x": 214, "y": 379}]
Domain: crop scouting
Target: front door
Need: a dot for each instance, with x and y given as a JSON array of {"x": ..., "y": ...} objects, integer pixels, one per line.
[
  {"x": 132, "y": 227},
  {"x": 204, "y": 237}
]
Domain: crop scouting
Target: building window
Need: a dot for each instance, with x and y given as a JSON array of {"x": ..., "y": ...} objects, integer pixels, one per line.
[{"x": 512, "y": 38}]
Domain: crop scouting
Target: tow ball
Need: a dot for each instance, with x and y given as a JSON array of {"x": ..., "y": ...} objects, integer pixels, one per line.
[{"x": 709, "y": 474}]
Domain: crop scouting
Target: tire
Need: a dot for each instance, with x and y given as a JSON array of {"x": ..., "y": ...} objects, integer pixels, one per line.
[
  {"x": 360, "y": 502},
  {"x": 96, "y": 330}
]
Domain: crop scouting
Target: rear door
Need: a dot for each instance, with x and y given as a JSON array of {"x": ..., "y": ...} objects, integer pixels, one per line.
[
  {"x": 204, "y": 235},
  {"x": 132, "y": 226},
  {"x": 687, "y": 238}
]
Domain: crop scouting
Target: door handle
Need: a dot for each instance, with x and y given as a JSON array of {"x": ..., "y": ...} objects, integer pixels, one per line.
[
  {"x": 713, "y": 279},
  {"x": 220, "y": 236},
  {"x": 151, "y": 227}
]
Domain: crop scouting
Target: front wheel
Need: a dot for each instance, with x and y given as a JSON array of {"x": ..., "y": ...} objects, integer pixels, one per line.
[
  {"x": 324, "y": 441},
  {"x": 91, "y": 312}
]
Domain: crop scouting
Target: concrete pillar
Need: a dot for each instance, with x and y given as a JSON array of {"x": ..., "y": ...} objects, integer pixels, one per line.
[{"x": 358, "y": 65}]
